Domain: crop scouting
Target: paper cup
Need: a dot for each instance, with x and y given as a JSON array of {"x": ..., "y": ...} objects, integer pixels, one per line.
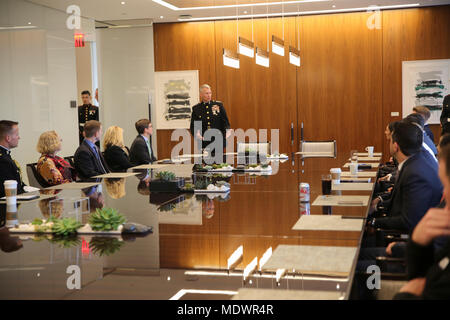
[
  {"x": 369, "y": 151},
  {"x": 353, "y": 169},
  {"x": 336, "y": 175}
]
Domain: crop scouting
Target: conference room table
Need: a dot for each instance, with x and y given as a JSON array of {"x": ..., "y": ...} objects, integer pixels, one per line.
[{"x": 185, "y": 256}]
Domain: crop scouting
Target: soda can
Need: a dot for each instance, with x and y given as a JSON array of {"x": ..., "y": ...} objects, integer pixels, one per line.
[
  {"x": 304, "y": 192},
  {"x": 305, "y": 208}
]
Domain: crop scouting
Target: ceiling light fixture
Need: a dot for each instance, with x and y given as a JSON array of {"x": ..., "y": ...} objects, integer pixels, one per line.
[
  {"x": 123, "y": 2},
  {"x": 175, "y": 8},
  {"x": 246, "y": 47},
  {"x": 308, "y": 12},
  {"x": 262, "y": 57},
  {"x": 278, "y": 46},
  {"x": 294, "y": 56}
]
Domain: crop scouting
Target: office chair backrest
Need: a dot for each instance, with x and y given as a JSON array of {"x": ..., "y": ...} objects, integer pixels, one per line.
[
  {"x": 34, "y": 178},
  {"x": 318, "y": 149}
]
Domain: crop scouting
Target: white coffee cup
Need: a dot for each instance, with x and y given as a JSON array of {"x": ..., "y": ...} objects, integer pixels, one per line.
[
  {"x": 369, "y": 151},
  {"x": 10, "y": 192},
  {"x": 353, "y": 169},
  {"x": 336, "y": 175}
]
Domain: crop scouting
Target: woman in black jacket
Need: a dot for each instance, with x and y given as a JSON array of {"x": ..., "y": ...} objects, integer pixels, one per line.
[{"x": 116, "y": 153}]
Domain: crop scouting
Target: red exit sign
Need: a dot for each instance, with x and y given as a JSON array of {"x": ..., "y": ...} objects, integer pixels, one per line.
[{"x": 79, "y": 40}]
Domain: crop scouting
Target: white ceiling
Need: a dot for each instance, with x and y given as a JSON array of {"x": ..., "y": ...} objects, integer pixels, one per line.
[{"x": 106, "y": 10}]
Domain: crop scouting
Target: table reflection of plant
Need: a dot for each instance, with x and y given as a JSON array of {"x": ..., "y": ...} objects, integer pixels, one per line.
[
  {"x": 105, "y": 246},
  {"x": 65, "y": 242}
]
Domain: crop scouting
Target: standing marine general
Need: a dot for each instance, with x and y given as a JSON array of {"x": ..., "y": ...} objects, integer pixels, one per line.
[
  {"x": 86, "y": 112},
  {"x": 212, "y": 115}
]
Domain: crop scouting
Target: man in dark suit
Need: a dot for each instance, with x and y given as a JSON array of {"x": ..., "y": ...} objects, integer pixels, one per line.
[
  {"x": 427, "y": 144},
  {"x": 86, "y": 112},
  {"x": 429, "y": 273},
  {"x": 417, "y": 187},
  {"x": 88, "y": 159},
  {"x": 141, "y": 151},
  {"x": 9, "y": 169},
  {"x": 212, "y": 115},
  {"x": 445, "y": 115}
]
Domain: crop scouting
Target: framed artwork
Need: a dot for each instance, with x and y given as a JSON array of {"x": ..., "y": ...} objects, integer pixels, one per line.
[
  {"x": 176, "y": 93},
  {"x": 425, "y": 83}
]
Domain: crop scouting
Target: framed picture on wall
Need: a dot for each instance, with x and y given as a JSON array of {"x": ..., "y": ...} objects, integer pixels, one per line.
[
  {"x": 425, "y": 83},
  {"x": 176, "y": 93}
]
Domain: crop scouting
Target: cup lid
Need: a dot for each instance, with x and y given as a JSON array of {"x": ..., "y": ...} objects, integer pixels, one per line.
[
  {"x": 10, "y": 182},
  {"x": 335, "y": 170}
]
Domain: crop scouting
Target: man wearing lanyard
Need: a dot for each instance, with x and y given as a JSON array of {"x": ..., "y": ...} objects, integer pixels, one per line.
[
  {"x": 141, "y": 151},
  {"x": 88, "y": 159}
]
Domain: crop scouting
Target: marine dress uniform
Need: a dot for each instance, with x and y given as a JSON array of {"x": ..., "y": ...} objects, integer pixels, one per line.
[
  {"x": 86, "y": 112},
  {"x": 212, "y": 114},
  {"x": 9, "y": 170}
]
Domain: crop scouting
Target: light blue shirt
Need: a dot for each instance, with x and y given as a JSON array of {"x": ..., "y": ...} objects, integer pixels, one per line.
[{"x": 92, "y": 145}]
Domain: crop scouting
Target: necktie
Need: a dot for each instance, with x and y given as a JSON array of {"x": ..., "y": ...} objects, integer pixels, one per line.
[
  {"x": 99, "y": 159},
  {"x": 149, "y": 149}
]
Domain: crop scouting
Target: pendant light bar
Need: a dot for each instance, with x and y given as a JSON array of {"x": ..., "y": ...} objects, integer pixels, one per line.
[
  {"x": 262, "y": 57},
  {"x": 294, "y": 56},
  {"x": 231, "y": 59},
  {"x": 246, "y": 47},
  {"x": 278, "y": 46}
]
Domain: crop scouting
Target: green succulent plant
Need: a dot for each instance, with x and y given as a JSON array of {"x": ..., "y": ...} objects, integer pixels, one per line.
[
  {"x": 189, "y": 186},
  {"x": 166, "y": 175},
  {"x": 106, "y": 219},
  {"x": 66, "y": 226}
]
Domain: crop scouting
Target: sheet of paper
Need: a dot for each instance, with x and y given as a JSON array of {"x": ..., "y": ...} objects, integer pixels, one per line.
[
  {"x": 73, "y": 185},
  {"x": 275, "y": 294},
  {"x": 373, "y": 165},
  {"x": 344, "y": 201},
  {"x": 352, "y": 186},
  {"x": 347, "y": 174},
  {"x": 41, "y": 197},
  {"x": 367, "y": 158},
  {"x": 117, "y": 175},
  {"x": 317, "y": 260},
  {"x": 151, "y": 166},
  {"x": 366, "y": 154},
  {"x": 327, "y": 223},
  {"x": 356, "y": 179}
]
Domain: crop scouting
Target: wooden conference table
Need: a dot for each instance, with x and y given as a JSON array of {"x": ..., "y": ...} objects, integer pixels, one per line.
[{"x": 193, "y": 236}]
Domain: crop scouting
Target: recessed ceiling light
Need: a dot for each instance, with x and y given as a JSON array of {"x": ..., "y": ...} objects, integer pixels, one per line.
[
  {"x": 29, "y": 22},
  {"x": 123, "y": 2},
  {"x": 245, "y": 12},
  {"x": 161, "y": 17},
  {"x": 334, "y": 6}
]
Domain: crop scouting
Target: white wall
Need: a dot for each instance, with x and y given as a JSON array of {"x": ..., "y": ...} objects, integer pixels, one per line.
[
  {"x": 37, "y": 76},
  {"x": 126, "y": 76}
]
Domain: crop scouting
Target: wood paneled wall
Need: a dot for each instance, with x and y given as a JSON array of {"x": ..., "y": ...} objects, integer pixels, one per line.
[
  {"x": 346, "y": 88},
  {"x": 414, "y": 34}
]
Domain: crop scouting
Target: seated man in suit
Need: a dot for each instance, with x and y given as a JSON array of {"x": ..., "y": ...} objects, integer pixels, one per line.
[
  {"x": 141, "y": 151},
  {"x": 88, "y": 159},
  {"x": 9, "y": 169},
  {"x": 429, "y": 273},
  {"x": 417, "y": 186},
  {"x": 427, "y": 144}
]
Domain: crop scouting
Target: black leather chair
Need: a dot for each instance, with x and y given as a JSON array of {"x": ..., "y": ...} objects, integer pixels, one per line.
[{"x": 34, "y": 178}]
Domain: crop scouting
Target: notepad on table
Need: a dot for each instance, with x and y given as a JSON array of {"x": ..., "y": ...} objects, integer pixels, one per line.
[
  {"x": 317, "y": 260},
  {"x": 327, "y": 223},
  {"x": 333, "y": 200},
  {"x": 352, "y": 186}
]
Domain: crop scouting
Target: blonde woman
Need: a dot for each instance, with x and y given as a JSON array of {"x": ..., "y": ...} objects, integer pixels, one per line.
[
  {"x": 53, "y": 169},
  {"x": 116, "y": 154}
]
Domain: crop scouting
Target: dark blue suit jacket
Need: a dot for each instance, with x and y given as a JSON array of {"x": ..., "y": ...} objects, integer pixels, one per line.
[
  {"x": 428, "y": 131},
  {"x": 416, "y": 190},
  {"x": 429, "y": 143}
]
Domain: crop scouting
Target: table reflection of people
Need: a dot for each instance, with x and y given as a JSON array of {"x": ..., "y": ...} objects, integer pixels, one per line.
[
  {"x": 7, "y": 243},
  {"x": 208, "y": 208},
  {"x": 51, "y": 207},
  {"x": 115, "y": 187},
  {"x": 96, "y": 200}
]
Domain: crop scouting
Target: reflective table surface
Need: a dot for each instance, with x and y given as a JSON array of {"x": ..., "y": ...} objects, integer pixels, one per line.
[{"x": 185, "y": 257}]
